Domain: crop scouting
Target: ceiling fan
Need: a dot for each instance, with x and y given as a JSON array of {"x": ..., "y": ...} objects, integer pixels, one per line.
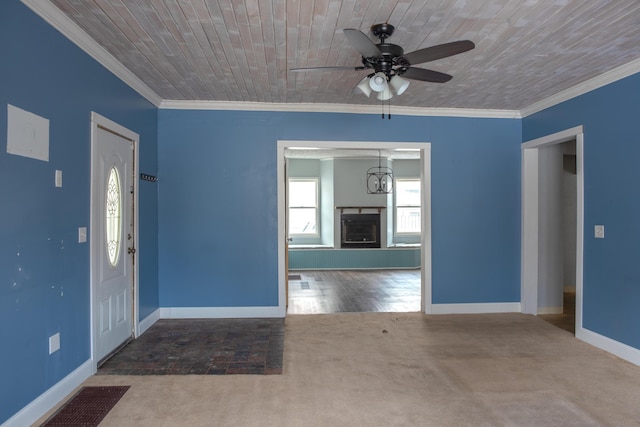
[{"x": 389, "y": 66}]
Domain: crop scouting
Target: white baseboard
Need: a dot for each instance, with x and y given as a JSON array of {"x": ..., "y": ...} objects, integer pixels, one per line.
[
  {"x": 218, "y": 312},
  {"x": 50, "y": 398},
  {"x": 148, "y": 321},
  {"x": 614, "y": 347},
  {"x": 479, "y": 308},
  {"x": 550, "y": 310}
]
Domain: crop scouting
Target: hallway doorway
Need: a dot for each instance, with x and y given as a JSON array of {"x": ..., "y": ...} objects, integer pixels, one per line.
[{"x": 552, "y": 228}]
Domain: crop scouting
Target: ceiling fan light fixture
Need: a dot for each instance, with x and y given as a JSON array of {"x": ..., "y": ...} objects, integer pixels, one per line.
[
  {"x": 387, "y": 62},
  {"x": 363, "y": 87},
  {"x": 399, "y": 84},
  {"x": 378, "y": 82},
  {"x": 385, "y": 94}
]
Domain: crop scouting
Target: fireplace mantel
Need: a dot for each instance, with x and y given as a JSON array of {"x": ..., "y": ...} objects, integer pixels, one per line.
[{"x": 360, "y": 208}]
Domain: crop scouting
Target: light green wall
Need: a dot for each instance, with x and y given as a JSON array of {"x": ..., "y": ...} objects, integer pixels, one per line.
[{"x": 318, "y": 259}]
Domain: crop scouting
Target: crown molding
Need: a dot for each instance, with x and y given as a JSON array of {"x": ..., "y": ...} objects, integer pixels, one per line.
[
  {"x": 604, "y": 79},
  {"x": 336, "y": 108},
  {"x": 58, "y": 20}
]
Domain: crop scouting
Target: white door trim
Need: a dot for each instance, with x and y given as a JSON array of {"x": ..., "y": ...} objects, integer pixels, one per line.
[
  {"x": 425, "y": 176},
  {"x": 529, "y": 248},
  {"x": 98, "y": 120}
]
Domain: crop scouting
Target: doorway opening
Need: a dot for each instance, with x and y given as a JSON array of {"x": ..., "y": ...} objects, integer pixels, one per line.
[
  {"x": 422, "y": 248},
  {"x": 552, "y": 228}
]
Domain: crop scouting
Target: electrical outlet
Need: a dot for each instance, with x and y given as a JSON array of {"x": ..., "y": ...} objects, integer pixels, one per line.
[
  {"x": 54, "y": 343},
  {"x": 82, "y": 234},
  {"x": 598, "y": 231},
  {"x": 58, "y": 178}
]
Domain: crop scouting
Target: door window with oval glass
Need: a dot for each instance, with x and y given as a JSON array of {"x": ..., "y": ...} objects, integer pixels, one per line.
[{"x": 113, "y": 216}]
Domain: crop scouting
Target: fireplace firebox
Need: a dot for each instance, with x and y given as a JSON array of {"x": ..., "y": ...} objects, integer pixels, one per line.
[{"x": 360, "y": 230}]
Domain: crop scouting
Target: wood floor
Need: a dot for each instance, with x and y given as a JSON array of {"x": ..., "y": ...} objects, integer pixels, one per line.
[
  {"x": 567, "y": 319},
  {"x": 353, "y": 291}
]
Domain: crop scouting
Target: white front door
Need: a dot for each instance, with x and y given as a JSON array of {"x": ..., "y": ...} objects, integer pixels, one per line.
[{"x": 112, "y": 239}]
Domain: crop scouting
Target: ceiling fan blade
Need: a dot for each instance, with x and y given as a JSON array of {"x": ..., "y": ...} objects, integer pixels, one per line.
[
  {"x": 426, "y": 75},
  {"x": 439, "y": 51},
  {"x": 297, "y": 70},
  {"x": 362, "y": 43}
]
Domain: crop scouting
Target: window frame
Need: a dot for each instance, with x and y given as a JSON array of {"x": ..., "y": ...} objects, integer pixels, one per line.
[
  {"x": 396, "y": 207},
  {"x": 316, "y": 181}
]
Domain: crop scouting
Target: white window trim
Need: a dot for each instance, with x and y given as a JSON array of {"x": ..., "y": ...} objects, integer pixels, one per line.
[
  {"x": 395, "y": 209},
  {"x": 317, "y": 206}
]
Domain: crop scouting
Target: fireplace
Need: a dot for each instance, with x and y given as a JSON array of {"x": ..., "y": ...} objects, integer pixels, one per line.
[{"x": 360, "y": 230}]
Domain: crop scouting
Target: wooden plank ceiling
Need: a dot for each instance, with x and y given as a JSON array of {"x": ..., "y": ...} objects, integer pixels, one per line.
[{"x": 241, "y": 50}]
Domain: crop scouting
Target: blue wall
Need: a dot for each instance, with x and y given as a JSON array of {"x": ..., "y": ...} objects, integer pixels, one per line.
[
  {"x": 44, "y": 271},
  {"x": 611, "y": 196},
  {"x": 218, "y": 192}
]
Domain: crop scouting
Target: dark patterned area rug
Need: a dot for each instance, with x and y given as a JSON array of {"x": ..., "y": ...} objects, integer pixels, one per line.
[
  {"x": 88, "y": 407},
  {"x": 203, "y": 347}
]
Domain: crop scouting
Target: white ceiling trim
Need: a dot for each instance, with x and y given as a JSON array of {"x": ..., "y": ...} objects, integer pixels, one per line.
[
  {"x": 604, "y": 79},
  {"x": 56, "y": 18},
  {"x": 338, "y": 108}
]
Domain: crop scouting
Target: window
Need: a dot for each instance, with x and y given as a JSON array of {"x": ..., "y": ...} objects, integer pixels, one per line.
[
  {"x": 407, "y": 200},
  {"x": 303, "y": 206},
  {"x": 113, "y": 214}
]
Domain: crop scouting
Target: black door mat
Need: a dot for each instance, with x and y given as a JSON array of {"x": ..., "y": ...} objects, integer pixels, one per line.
[
  {"x": 295, "y": 277},
  {"x": 88, "y": 407}
]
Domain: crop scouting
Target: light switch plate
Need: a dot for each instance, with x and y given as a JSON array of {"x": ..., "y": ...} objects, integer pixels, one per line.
[
  {"x": 54, "y": 343},
  {"x": 598, "y": 231},
  {"x": 58, "y": 178},
  {"x": 82, "y": 234}
]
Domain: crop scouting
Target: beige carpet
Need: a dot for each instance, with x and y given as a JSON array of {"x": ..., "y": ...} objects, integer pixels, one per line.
[{"x": 385, "y": 369}]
